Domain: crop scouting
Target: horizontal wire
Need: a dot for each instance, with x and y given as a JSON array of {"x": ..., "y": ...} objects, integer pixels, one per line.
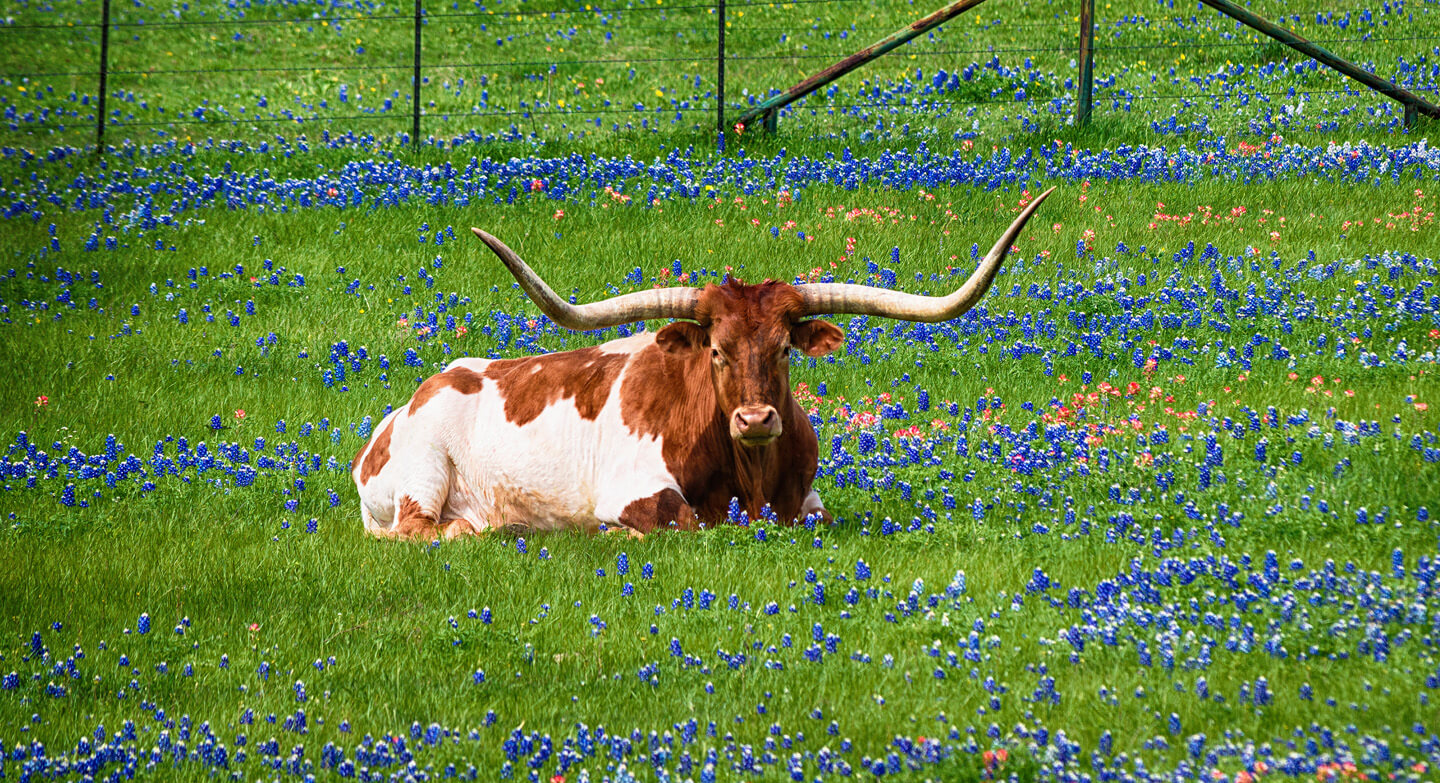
[
  {"x": 223, "y": 22},
  {"x": 925, "y": 53},
  {"x": 493, "y": 14},
  {"x": 1281, "y": 94},
  {"x": 525, "y": 63},
  {"x": 258, "y": 69},
  {"x": 332, "y": 19},
  {"x": 1272, "y": 41},
  {"x": 207, "y": 22},
  {"x": 456, "y": 116},
  {"x": 406, "y": 116},
  {"x": 255, "y": 120},
  {"x": 545, "y": 14}
]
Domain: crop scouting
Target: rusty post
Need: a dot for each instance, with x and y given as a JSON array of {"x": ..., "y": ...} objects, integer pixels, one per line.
[
  {"x": 1325, "y": 57},
  {"x": 1084, "y": 94},
  {"x": 770, "y": 107}
]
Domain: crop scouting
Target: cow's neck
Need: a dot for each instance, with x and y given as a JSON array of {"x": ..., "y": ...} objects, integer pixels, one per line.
[
  {"x": 755, "y": 471},
  {"x": 711, "y": 467}
]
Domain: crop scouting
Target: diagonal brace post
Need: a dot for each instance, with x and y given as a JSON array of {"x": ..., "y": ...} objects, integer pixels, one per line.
[
  {"x": 770, "y": 107},
  {"x": 1412, "y": 102}
]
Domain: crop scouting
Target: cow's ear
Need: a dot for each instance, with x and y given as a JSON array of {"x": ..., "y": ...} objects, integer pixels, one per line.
[
  {"x": 682, "y": 336},
  {"x": 817, "y": 337}
]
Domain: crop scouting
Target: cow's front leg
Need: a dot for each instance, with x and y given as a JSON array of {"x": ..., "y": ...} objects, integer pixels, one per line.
[
  {"x": 813, "y": 505},
  {"x": 664, "y": 510}
]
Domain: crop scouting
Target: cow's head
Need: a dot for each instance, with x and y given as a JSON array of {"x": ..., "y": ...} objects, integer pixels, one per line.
[{"x": 748, "y": 331}]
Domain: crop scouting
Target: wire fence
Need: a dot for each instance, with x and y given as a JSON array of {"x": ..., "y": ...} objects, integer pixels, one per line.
[{"x": 702, "y": 29}]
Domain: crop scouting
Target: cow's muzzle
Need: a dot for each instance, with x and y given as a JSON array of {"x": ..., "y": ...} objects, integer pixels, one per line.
[{"x": 755, "y": 425}]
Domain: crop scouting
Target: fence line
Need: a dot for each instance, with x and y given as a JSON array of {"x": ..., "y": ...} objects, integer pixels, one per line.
[
  {"x": 531, "y": 63},
  {"x": 1229, "y": 44},
  {"x": 918, "y": 104},
  {"x": 447, "y": 117},
  {"x": 421, "y": 17}
]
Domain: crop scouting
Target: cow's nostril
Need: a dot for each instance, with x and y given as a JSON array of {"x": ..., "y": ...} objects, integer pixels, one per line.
[{"x": 756, "y": 423}]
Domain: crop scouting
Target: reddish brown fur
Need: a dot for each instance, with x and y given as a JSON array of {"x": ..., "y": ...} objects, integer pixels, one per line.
[
  {"x": 458, "y": 378},
  {"x": 678, "y": 391},
  {"x": 379, "y": 454},
  {"x": 658, "y": 511},
  {"x": 411, "y": 521},
  {"x": 532, "y": 384}
]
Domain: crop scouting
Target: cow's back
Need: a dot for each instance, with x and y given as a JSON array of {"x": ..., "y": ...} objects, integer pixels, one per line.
[{"x": 537, "y": 442}]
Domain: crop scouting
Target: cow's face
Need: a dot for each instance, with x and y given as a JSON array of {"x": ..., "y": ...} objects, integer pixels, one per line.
[{"x": 747, "y": 333}]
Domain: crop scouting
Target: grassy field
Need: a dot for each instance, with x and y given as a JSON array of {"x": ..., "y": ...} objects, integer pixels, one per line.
[{"x": 1162, "y": 507}]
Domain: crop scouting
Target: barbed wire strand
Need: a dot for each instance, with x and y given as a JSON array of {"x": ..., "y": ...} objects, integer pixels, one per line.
[
  {"x": 918, "y": 105},
  {"x": 558, "y": 12},
  {"x": 1271, "y": 42},
  {"x": 521, "y": 63}
]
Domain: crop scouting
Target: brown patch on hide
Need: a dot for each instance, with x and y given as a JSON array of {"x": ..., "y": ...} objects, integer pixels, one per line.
[
  {"x": 532, "y": 384},
  {"x": 460, "y": 379},
  {"x": 379, "y": 454},
  {"x": 411, "y": 521},
  {"x": 658, "y": 512}
]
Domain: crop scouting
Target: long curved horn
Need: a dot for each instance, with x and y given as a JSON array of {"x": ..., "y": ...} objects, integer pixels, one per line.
[
  {"x": 822, "y": 298},
  {"x": 623, "y": 309}
]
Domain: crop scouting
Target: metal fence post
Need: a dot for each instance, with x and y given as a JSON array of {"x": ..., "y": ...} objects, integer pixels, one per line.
[
  {"x": 415, "y": 88},
  {"x": 1084, "y": 92},
  {"x": 720, "y": 74},
  {"x": 104, "y": 74}
]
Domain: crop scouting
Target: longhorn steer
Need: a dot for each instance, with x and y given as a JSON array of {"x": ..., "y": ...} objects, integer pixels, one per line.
[{"x": 653, "y": 430}]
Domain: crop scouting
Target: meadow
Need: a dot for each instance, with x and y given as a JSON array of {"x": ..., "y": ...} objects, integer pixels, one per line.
[{"x": 1162, "y": 507}]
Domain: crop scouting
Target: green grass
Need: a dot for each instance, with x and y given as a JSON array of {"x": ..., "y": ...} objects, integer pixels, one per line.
[
  {"x": 221, "y": 556},
  {"x": 258, "y": 589}
]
